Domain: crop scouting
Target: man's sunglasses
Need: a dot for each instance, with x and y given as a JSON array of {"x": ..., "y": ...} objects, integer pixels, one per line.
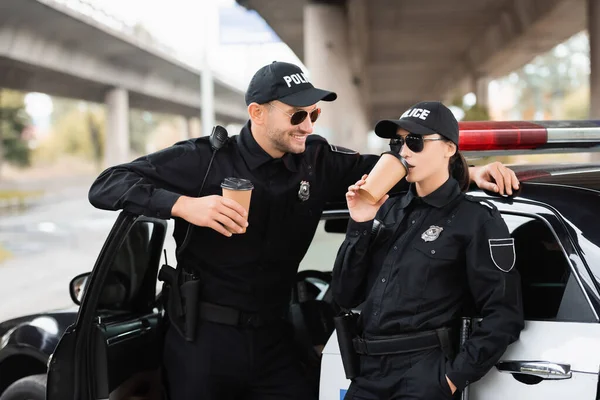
[
  {"x": 299, "y": 116},
  {"x": 415, "y": 143}
]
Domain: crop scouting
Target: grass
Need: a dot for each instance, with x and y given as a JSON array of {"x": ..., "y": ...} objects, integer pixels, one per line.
[
  {"x": 17, "y": 198},
  {"x": 4, "y": 254},
  {"x": 19, "y": 194}
]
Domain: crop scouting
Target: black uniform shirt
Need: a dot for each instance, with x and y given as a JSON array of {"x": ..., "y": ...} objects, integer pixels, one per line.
[
  {"x": 253, "y": 271},
  {"x": 436, "y": 259}
]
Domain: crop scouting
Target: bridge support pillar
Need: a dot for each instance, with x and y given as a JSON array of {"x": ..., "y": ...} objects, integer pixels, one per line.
[
  {"x": 327, "y": 55},
  {"x": 593, "y": 21},
  {"x": 116, "y": 149}
]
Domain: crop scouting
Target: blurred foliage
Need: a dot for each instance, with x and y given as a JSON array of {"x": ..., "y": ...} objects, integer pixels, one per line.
[
  {"x": 141, "y": 126},
  {"x": 576, "y": 105},
  {"x": 553, "y": 85},
  {"x": 476, "y": 113},
  {"x": 14, "y": 148},
  {"x": 78, "y": 130}
]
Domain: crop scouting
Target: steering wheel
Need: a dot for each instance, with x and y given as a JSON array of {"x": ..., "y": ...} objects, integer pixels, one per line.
[{"x": 311, "y": 285}]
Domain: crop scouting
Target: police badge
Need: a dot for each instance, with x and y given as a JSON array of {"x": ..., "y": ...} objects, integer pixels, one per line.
[
  {"x": 304, "y": 191},
  {"x": 432, "y": 233}
]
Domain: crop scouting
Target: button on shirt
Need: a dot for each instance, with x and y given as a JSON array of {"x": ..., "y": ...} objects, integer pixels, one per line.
[
  {"x": 429, "y": 265},
  {"x": 253, "y": 271}
]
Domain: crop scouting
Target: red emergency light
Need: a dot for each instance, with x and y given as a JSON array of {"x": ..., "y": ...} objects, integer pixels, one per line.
[{"x": 528, "y": 135}]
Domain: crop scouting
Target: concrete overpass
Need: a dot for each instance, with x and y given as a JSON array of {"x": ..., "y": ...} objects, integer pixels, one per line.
[
  {"x": 381, "y": 56},
  {"x": 50, "y": 48}
]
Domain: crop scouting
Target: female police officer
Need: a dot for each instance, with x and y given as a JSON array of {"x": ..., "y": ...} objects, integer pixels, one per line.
[{"x": 437, "y": 255}]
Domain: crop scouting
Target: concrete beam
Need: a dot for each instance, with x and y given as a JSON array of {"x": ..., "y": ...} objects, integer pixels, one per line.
[
  {"x": 24, "y": 45},
  {"x": 521, "y": 31}
]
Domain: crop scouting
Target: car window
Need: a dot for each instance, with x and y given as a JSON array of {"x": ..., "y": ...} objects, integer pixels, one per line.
[
  {"x": 550, "y": 290},
  {"x": 125, "y": 287},
  {"x": 323, "y": 250}
]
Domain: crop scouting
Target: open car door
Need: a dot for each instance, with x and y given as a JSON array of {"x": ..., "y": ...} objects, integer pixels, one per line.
[{"x": 113, "y": 351}]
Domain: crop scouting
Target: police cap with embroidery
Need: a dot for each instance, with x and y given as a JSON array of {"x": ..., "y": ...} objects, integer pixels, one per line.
[
  {"x": 287, "y": 83},
  {"x": 424, "y": 118}
]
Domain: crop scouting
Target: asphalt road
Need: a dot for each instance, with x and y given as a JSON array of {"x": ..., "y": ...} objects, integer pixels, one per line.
[{"x": 49, "y": 243}]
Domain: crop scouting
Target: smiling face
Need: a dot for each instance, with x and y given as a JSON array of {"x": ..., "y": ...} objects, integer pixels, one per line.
[{"x": 281, "y": 136}]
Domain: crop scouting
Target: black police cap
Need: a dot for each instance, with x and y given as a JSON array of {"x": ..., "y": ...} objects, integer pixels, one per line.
[{"x": 287, "y": 83}]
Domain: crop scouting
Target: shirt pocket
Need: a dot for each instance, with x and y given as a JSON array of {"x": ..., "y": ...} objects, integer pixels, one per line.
[{"x": 440, "y": 260}]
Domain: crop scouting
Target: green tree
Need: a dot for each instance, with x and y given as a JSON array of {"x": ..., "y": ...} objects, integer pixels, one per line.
[
  {"x": 141, "y": 126},
  {"x": 79, "y": 131},
  {"x": 544, "y": 85},
  {"x": 14, "y": 147}
]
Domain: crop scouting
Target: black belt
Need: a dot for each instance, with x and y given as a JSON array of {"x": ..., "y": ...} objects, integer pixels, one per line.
[
  {"x": 406, "y": 343},
  {"x": 231, "y": 316}
]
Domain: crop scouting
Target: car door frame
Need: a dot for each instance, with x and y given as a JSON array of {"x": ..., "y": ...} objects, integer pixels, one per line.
[
  {"x": 563, "y": 234},
  {"x": 70, "y": 367}
]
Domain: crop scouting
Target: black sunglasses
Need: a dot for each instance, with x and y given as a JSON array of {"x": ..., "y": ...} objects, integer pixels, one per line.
[
  {"x": 299, "y": 116},
  {"x": 415, "y": 143}
]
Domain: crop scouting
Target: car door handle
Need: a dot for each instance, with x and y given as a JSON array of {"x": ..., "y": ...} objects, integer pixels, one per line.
[{"x": 541, "y": 369}]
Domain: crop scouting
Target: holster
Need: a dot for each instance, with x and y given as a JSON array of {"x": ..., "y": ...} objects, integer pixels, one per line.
[
  {"x": 346, "y": 327},
  {"x": 182, "y": 292}
]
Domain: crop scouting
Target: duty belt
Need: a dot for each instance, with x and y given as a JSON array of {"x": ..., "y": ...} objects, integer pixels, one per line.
[
  {"x": 230, "y": 316},
  {"x": 406, "y": 343}
]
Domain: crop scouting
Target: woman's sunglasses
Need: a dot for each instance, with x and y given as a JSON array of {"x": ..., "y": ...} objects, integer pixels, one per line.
[
  {"x": 415, "y": 143},
  {"x": 299, "y": 116}
]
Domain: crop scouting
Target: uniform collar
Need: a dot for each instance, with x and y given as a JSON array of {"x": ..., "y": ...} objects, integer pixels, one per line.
[
  {"x": 255, "y": 156},
  {"x": 438, "y": 198}
]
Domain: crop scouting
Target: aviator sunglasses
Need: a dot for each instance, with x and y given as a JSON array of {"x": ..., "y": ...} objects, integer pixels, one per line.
[
  {"x": 415, "y": 143},
  {"x": 299, "y": 116}
]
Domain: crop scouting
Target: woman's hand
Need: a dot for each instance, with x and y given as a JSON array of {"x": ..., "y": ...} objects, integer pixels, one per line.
[{"x": 360, "y": 209}]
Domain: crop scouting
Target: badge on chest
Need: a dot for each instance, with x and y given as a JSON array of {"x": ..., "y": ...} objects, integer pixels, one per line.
[
  {"x": 432, "y": 233},
  {"x": 304, "y": 191}
]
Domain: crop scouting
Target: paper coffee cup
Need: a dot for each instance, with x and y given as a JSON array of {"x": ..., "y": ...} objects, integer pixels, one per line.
[
  {"x": 387, "y": 172},
  {"x": 239, "y": 190}
]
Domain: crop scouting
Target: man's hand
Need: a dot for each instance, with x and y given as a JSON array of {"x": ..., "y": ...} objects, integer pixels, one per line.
[
  {"x": 494, "y": 177},
  {"x": 225, "y": 216},
  {"x": 452, "y": 387}
]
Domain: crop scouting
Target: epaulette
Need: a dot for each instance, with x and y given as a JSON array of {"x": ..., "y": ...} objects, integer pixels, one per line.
[
  {"x": 316, "y": 139},
  {"x": 483, "y": 202},
  {"x": 342, "y": 150}
]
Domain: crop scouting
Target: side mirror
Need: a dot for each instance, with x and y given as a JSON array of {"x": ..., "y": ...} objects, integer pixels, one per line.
[
  {"x": 336, "y": 225},
  {"x": 114, "y": 291},
  {"x": 77, "y": 287}
]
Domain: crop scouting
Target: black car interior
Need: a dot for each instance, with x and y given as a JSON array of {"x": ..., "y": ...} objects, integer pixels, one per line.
[{"x": 550, "y": 289}]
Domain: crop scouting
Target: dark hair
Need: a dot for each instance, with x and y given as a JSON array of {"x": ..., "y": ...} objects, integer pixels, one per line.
[{"x": 459, "y": 170}]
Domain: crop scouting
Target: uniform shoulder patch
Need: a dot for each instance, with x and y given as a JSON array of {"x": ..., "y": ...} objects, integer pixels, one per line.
[
  {"x": 502, "y": 252},
  {"x": 342, "y": 150}
]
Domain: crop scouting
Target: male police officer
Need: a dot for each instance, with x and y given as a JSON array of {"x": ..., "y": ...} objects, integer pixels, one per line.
[{"x": 242, "y": 349}]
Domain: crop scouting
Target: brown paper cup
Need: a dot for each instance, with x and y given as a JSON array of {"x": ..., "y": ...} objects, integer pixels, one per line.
[
  {"x": 386, "y": 173},
  {"x": 239, "y": 190}
]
